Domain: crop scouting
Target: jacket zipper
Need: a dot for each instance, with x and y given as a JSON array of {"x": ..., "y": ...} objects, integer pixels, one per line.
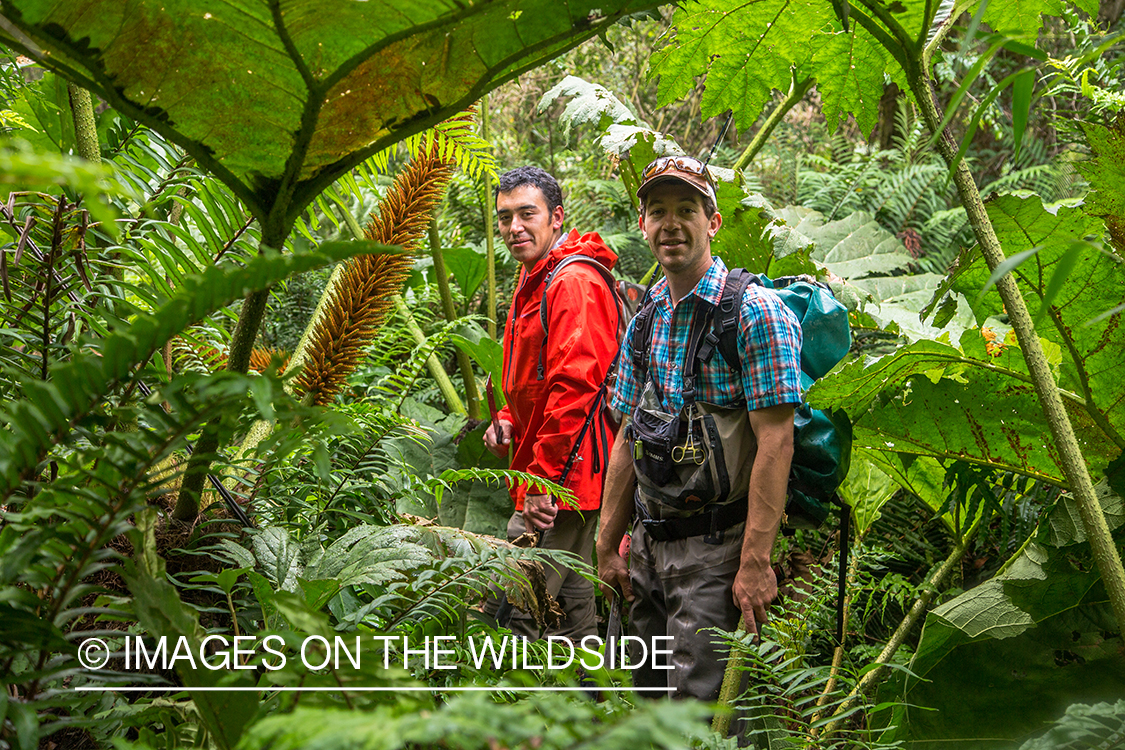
[{"x": 514, "y": 315}]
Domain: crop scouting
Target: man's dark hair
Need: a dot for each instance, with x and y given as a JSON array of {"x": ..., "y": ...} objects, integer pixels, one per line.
[{"x": 534, "y": 176}]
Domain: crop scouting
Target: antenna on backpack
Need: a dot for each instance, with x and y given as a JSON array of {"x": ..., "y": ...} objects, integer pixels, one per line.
[{"x": 730, "y": 116}]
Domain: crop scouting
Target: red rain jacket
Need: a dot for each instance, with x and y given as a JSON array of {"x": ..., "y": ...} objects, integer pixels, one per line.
[{"x": 548, "y": 414}]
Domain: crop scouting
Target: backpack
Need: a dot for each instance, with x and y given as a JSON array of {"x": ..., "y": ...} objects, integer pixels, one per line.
[
  {"x": 822, "y": 439},
  {"x": 628, "y": 297}
]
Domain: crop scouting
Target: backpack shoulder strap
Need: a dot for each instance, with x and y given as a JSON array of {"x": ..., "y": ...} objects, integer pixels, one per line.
[
  {"x": 606, "y": 275},
  {"x": 645, "y": 319},
  {"x": 724, "y": 330}
]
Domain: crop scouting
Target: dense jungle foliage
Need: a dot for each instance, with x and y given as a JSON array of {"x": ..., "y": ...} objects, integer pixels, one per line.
[{"x": 251, "y": 283}]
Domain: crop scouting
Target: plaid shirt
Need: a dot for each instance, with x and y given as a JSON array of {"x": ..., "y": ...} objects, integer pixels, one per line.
[{"x": 769, "y": 338}]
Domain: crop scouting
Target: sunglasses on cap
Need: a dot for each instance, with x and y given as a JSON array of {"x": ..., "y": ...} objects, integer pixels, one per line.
[{"x": 688, "y": 164}]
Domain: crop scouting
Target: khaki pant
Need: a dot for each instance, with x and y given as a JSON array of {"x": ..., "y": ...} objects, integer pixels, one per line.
[
  {"x": 681, "y": 588},
  {"x": 574, "y": 532}
]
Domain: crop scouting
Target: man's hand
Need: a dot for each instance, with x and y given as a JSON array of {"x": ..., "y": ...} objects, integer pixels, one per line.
[
  {"x": 615, "y": 576},
  {"x": 539, "y": 512},
  {"x": 755, "y": 586},
  {"x": 498, "y": 444}
]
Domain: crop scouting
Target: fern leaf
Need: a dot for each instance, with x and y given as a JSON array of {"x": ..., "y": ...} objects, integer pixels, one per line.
[{"x": 76, "y": 387}]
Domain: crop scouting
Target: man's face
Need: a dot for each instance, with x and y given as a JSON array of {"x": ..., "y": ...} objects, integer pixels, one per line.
[
  {"x": 528, "y": 228},
  {"x": 677, "y": 229}
]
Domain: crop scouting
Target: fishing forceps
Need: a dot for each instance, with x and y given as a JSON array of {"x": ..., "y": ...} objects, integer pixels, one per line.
[{"x": 690, "y": 450}]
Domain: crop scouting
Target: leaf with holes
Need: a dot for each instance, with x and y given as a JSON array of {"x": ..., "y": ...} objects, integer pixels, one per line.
[{"x": 931, "y": 399}]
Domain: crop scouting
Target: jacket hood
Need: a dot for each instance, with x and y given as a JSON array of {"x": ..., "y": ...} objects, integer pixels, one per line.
[{"x": 590, "y": 244}]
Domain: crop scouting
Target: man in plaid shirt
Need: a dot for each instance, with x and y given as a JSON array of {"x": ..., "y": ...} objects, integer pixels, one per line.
[{"x": 690, "y": 580}]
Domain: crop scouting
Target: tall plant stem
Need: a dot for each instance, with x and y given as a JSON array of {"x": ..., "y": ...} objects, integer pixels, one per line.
[
  {"x": 797, "y": 91},
  {"x": 732, "y": 677},
  {"x": 921, "y": 604},
  {"x": 444, "y": 384},
  {"x": 838, "y": 654},
  {"x": 489, "y": 234},
  {"x": 472, "y": 393},
  {"x": 241, "y": 345},
  {"x": 1070, "y": 455},
  {"x": 85, "y": 127}
]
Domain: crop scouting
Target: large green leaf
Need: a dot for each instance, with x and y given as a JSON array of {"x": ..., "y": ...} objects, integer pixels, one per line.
[
  {"x": 853, "y": 247},
  {"x": 866, "y": 490},
  {"x": 1002, "y": 659},
  {"x": 918, "y": 475},
  {"x": 753, "y": 237},
  {"x": 897, "y": 299},
  {"x": 1106, "y": 174},
  {"x": 1093, "y": 285},
  {"x": 748, "y": 50},
  {"x": 856, "y": 246},
  {"x": 1024, "y": 17},
  {"x": 279, "y": 98},
  {"x": 849, "y": 70},
  {"x": 924, "y": 477},
  {"x": 932, "y": 399},
  {"x": 592, "y": 103},
  {"x": 977, "y": 404}
]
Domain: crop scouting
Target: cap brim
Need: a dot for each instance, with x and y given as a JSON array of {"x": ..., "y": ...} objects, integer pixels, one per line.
[{"x": 644, "y": 189}]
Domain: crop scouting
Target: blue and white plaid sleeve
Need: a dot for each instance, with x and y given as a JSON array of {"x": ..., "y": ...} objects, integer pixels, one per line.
[{"x": 770, "y": 339}]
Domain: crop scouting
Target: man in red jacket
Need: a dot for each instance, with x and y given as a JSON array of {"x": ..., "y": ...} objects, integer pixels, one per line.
[{"x": 546, "y": 409}]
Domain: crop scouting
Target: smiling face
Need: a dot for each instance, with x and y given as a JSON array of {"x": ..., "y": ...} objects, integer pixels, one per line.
[
  {"x": 679, "y": 232},
  {"x": 529, "y": 229}
]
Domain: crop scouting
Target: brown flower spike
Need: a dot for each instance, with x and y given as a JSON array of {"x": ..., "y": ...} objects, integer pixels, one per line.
[{"x": 360, "y": 303}]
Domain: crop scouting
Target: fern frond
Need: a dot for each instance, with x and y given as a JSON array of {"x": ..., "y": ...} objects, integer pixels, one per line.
[
  {"x": 449, "y": 477},
  {"x": 1045, "y": 179},
  {"x": 400, "y": 381},
  {"x": 454, "y": 141},
  {"x": 910, "y": 195},
  {"x": 61, "y": 545},
  {"x": 77, "y": 387}
]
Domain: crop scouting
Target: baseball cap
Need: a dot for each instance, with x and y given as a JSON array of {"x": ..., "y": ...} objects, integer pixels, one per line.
[{"x": 686, "y": 169}]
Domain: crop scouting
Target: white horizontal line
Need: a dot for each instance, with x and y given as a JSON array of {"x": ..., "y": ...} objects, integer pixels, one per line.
[{"x": 324, "y": 689}]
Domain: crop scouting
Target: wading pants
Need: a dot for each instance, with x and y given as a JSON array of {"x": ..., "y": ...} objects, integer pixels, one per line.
[{"x": 681, "y": 588}]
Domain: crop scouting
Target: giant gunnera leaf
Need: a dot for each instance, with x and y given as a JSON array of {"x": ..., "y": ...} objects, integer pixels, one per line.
[
  {"x": 997, "y": 663},
  {"x": 1089, "y": 281},
  {"x": 280, "y": 97}
]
